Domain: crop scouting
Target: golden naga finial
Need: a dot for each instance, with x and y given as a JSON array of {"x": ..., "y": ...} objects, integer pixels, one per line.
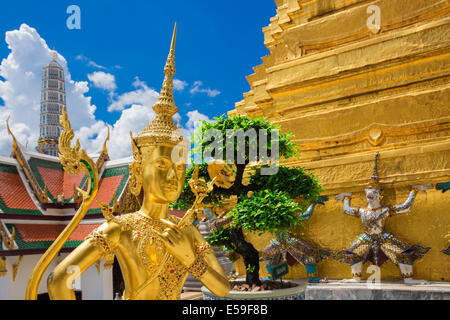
[
  {"x": 3, "y": 269},
  {"x": 105, "y": 149},
  {"x": 135, "y": 169},
  {"x": 16, "y": 267},
  {"x": 17, "y": 153},
  {"x": 77, "y": 198},
  {"x": 73, "y": 161},
  {"x": 14, "y": 145},
  {"x": 8, "y": 240}
]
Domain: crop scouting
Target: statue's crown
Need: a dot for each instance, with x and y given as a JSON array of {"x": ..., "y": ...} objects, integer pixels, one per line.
[{"x": 162, "y": 130}]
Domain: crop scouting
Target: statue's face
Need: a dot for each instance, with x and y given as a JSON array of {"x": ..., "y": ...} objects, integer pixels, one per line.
[
  {"x": 164, "y": 173},
  {"x": 373, "y": 195}
]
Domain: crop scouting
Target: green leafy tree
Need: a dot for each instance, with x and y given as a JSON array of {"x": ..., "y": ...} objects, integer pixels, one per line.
[{"x": 266, "y": 203}]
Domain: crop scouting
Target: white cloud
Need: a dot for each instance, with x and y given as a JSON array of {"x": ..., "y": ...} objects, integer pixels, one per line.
[
  {"x": 20, "y": 89},
  {"x": 143, "y": 95},
  {"x": 90, "y": 62},
  {"x": 179, "y": 85},
  {"x": 193, "y": 122},
  {"x": 102, "y": 80},
  {"x": 196, "y": 88},
  {"x": 133, "y": 119},
  {"x": 20, "y": 92}
]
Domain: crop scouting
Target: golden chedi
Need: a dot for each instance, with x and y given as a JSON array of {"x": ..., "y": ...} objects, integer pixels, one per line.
[
  {"x": 347, "y": 88},
  {"x": 155, "y": 250}
]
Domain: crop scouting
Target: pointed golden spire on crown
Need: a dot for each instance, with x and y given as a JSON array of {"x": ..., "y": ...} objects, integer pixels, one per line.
[
  {"x": 162, "y": 130},
  {"x": 374, "y": 179}
]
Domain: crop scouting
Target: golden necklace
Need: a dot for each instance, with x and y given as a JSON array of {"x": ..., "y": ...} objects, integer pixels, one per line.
[{"x": 151, "y": 251}]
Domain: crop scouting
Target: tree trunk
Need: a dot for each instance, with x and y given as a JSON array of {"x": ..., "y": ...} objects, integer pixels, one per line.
[{"x": 250, "y": 255}]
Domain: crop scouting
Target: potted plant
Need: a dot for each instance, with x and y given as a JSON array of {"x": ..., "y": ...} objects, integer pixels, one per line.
[{"x": 265, "y": 202}]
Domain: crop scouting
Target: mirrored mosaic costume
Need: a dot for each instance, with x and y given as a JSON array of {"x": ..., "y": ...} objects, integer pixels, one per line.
[
  {"x": 376, "y": 244},
  {"x": 289, "y": 248}
]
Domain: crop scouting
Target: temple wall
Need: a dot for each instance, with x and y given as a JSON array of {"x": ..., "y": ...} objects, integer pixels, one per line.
[
  {"x": 93, "y": 284},
  {"x": 346, "y": 92},
  {"x": 426, "y": 224}
]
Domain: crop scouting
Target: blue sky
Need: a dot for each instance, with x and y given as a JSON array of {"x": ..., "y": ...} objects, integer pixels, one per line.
[{"x": 218, "y": 43}]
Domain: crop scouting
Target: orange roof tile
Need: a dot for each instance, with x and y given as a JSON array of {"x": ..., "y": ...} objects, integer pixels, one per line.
[
  {"x": 69, "y": 182},
  {"x": 52, "y": 179},
  {"x": 59, "y": 182},
  {"x": 49, "y": 232},
  {"x": 106, "y": 190},
  {"x": 13, "y": 192}
]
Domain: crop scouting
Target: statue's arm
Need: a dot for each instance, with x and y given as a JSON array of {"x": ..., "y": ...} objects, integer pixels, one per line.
[
  {"x": 308, "y": 213},
  {"x": 347, "y": 208},
  {"x": 214, "y": 278},
  {"x": 96, "y": 245},
  {"x": 407, "y": 205}
]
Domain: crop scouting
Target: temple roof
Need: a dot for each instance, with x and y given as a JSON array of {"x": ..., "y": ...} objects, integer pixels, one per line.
[
  {"x": 41, "y": 236},
  {"x": 38, "y": 198},
  {"x": 50, "y": 174},
  {"x": 37, "y": 224},
  {"x": 14, "y": 197},
  {"x": 113, "y": 181}
]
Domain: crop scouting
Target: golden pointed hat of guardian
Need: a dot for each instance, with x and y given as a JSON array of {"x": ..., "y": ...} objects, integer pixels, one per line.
[
  {"x": 374, "y": 182},
  {"x": 162, "y": 131}
]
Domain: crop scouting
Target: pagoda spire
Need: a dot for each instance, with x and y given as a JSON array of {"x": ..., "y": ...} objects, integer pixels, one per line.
[{"x": 53, "y": 100}]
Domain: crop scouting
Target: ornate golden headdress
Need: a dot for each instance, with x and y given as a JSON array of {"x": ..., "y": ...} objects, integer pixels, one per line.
[
  {"x": 374, "y": 179},
  {"x": 162, "y": 130}
]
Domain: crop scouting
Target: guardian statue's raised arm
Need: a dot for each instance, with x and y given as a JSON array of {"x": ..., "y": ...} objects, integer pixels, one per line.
[{"x": 407, "y": 205}]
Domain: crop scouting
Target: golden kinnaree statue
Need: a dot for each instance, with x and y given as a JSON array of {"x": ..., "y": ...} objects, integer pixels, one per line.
[{"x": 155, "y": 250}]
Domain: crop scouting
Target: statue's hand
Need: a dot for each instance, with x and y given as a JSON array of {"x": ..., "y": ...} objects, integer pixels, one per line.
[
  {"x": 213, "y": 225},
  {"x": 178, "y": 243},
  {"x": 423, "y": 187},
  {"x": 321, "y": 200},
  {"x": 341, "y": 196}
]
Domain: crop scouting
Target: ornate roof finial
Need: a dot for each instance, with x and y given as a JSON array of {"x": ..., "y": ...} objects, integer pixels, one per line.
[
  {"x": 162, "y": 129},
  {"x": 54, "y": 54},
  {"x": 374, "y": 179},
  {"x": 14, "y": 143}
]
